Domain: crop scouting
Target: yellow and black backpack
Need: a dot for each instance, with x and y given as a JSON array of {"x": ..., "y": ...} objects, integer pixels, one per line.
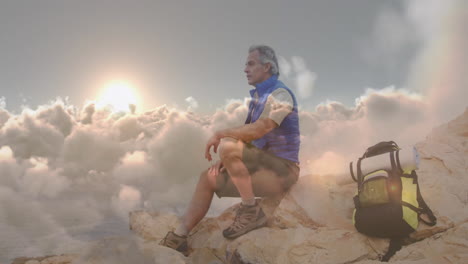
[{"x": 388, "y": 203}]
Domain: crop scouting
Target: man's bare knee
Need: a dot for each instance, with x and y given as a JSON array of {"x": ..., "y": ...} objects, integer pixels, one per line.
[
  {"x": 208, "y": 180},
  {"x": 230, "y": 148}
]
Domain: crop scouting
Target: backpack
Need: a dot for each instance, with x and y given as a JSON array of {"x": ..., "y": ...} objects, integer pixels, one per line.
[{"x": 388, "y": 203}]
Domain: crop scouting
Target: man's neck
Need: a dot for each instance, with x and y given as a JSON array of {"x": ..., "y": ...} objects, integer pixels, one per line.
[
  {"x": 264, "y": 79},
  {"x": 262, "y": 87}
]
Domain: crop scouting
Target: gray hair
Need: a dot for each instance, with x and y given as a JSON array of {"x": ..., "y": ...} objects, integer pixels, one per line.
[{"x": 267, "y": 55}]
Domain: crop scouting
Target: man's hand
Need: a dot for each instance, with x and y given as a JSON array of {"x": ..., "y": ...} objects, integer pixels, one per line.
[
  {"x": 216, "y": 169},
  {"x": 212, "y": 142}
]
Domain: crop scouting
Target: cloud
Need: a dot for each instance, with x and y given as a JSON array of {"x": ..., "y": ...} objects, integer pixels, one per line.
[
  {"x": 427, "y": 17},
  {"x": 75, "y": 170},
  {"x": 305, "y": 79},
  {"x": 74, "y": 177},
  {"x": 334, "y": 134},
  {"x": 390, "y": 105},
  {"x": 284, "y": 66},
  {"x": 440, "y": 68},
  {"x": 392, "y": 35},
  {"x": 296, "y": 70},
  {"x": 127, "y": 127},
  {"x": 127, "y": 200},
  {"x": 6, "y": 153},
  {"x": 28, "y": 135},
  {"x": 233, "y": 115},
  {"x": 179, "y": 137},
  {"x": 431, "y": 37},
  {"x": 88, "y": 112},
  {"x": 87, "y": 149},
  {"x": 43, "y": 234},
  {"x": 396, "y": 32},
  {"x": 193, "y": 104},
  {"x": 42, "y": 181},
  {"x": 4, "y": 116},
  {"x": 2, "y": 102},
  {"x": 58, "y": 115}
]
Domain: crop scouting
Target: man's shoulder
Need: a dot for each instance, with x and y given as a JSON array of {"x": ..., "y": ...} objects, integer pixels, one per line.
[
  {"x": 282, "y": 94},
  {"x": 281, "y": 90}
]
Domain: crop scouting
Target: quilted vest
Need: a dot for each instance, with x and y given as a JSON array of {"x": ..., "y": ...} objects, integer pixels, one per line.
[{"x": 284, "y": 140}]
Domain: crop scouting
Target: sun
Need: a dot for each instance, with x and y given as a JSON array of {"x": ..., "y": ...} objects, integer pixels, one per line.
[{"x": 118, "y": 95}]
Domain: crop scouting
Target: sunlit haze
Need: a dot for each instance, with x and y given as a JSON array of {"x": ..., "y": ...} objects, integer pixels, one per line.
[{"x": 118, "y": 95}]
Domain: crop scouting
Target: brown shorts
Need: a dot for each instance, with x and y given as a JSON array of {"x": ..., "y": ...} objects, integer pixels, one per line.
[{"x": 270, "y": 174}]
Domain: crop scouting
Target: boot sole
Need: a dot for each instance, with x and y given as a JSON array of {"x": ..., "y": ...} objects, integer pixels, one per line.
[{"x": 261, "y": 223}]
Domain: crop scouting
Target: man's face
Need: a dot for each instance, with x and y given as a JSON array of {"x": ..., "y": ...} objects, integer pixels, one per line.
[{"x": 255, "y": 71}]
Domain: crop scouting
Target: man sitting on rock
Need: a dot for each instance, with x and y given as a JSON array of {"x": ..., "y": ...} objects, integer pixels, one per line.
[{"x": 258, "y": 159}]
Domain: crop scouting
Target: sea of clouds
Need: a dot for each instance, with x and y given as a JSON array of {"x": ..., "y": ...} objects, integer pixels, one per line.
[{"x": 70, "y": 174}]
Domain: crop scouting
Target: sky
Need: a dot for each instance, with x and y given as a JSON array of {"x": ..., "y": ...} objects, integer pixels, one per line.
[
  {"x": 72, "y": 166},
  {"x": 169, "y": 51}
]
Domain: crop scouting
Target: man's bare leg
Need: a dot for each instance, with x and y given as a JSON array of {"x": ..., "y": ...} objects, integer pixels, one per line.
[
  {"x": 230, "y": 152},
  {"x": 196, "y": 210},
  {"x": 250, "y": 215},
  {"x": 231, "y": 156},
  {"x": 200, "y": 203}
]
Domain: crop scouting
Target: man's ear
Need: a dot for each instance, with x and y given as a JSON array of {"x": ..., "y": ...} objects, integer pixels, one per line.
[{"x": 267, "y": 67}]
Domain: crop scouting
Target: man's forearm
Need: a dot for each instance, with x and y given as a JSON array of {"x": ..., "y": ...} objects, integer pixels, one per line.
[{"x": 247, "y": 132}]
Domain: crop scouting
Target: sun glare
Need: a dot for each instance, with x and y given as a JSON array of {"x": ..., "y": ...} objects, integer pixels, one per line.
[{"x": 118, "y": 95}]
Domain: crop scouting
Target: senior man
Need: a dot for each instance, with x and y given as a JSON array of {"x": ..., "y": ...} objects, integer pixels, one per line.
[{"x": 257, "y": 159}]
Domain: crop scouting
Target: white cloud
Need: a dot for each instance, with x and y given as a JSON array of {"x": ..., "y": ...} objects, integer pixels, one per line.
[
  {"x": 233, "y": 115},
  {"x": 285, "y": 67},
  {"x": 69, "y": 183},
  {"x": 127, "y": 200},
  {"x": 27, "y": 229},
  {"x": 335, "y": 133},
  {"x": 440, "y": 69},
  {"x": 303, "y": 78},
  {"x": 58, "y": 115},
  {"x": 193, "y": 104},
  {"x": 87, "y": 149},
  {"x": 174, "y": 144},
  {"x": 41, "y": 181},
  {"x": 305, "y": 83},
  {"x": 6, "y": 153},
  {"x": 392, "y": 34},
  {"x": 2, "y": 102},
  {"x": 436, "y": 30},
  {"x": 427, "y": 17},
  {"x": 127, "y": 127},
  {"x": 88, "y": 112},
  {"x": 28, "y": 136},
  {"x": 4, "y": 116}
]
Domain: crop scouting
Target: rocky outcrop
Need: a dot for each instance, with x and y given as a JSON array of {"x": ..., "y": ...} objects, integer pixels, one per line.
[
  {"x": 62, "y": 259},
  {"x": 312, "y": 223}
]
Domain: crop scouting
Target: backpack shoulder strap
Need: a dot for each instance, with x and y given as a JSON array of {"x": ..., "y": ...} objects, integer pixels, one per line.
[
  {"x": 360, "y": 177},
  {"x": 425, "y": 210},
  {"x": 395, "y": 245},
  {"x": 352, "y": 172},
  {"x": 380, "y": 148}
]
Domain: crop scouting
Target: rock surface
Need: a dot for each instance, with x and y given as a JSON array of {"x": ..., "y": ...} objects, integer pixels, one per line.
[
  {"x": 62, "y": 259},
  {"x": 312, "y": 223}
]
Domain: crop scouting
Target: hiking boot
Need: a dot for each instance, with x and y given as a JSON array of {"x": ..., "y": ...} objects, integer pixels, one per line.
[
  {"x": 174, "y": 241},
  {"x": 247, "y": 219}
]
